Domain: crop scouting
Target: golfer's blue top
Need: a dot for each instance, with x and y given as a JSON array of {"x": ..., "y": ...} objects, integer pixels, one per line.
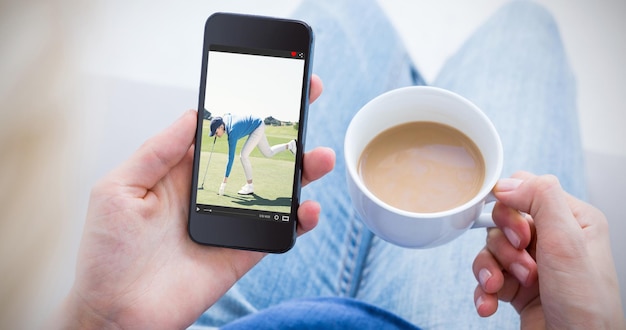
[{"x": 237, "y": 127}]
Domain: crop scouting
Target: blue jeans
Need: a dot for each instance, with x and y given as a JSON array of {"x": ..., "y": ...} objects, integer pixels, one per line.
[{"x": 513, "y": 67}]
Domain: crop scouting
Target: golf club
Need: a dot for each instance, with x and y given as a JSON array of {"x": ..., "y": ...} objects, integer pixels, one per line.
[{"x": 207, "y": 164}]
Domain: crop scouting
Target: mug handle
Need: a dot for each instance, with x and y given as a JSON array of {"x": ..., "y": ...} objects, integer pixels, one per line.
[{"x": 484, "y": 219}]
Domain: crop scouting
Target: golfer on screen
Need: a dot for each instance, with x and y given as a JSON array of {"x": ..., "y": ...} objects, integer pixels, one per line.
[{"x": 237, "y": 127}]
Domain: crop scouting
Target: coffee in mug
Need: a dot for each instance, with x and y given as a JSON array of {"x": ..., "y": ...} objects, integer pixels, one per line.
[
  {"x": 422, "y": 167},
  {"x": 405, "y": 203}
]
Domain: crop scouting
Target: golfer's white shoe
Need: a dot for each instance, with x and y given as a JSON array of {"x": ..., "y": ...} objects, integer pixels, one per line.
[
  {"x": 247, "y": 189},
  {"x": 292, "y": 146}
]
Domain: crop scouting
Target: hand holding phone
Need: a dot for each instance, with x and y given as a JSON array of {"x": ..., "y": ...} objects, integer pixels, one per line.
[
  {"x": 136, "y": 223},
  {"x": 251, "y": 132}
]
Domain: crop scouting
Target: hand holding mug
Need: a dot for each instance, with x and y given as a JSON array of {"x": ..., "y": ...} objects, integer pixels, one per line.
[{"x": 550, "y": 257}]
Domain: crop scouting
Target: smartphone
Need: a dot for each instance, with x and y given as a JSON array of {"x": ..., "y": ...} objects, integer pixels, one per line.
[{"x": 252, "y": 114}]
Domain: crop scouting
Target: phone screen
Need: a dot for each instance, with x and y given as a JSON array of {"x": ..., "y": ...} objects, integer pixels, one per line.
[
  {"x": 252, "y": 116},
  {"x": 247, "y": 89}
]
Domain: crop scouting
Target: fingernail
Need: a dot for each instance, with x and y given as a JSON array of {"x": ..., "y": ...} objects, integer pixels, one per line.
[
  {"x": 520, "y": 272},
  {"x": 512, "y": 237},
  {"x": 483, "y": 276},
  {"x": 507, "y": 184},
  {"x": 479, "y": 301}
]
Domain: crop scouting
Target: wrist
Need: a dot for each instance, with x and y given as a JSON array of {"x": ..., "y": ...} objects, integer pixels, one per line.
[{"x": 75, "y": 313}]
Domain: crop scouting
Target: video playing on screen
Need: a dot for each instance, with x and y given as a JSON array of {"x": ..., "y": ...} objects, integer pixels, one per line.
[{"x": 249, "y": 132}]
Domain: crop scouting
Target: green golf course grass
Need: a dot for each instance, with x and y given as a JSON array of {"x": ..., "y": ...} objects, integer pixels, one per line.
[{"x": 272, "y": 177}]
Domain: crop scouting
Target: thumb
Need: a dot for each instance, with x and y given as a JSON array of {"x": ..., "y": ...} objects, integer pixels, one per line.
[
  {"x": 158, "y": 155},
  {"x": 545, "y": 200}
]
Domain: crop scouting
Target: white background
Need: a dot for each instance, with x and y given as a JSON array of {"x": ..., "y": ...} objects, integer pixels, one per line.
[{"x": 245, "y": 84}]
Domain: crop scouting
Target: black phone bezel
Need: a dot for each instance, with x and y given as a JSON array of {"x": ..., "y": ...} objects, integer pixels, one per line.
[{"x": 251, "y": 32}]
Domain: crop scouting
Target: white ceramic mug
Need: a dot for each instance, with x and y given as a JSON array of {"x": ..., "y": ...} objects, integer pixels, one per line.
[{"x": 421, "y": 103}]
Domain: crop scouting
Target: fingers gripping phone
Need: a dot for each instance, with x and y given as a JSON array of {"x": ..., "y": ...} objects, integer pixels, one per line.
[{"x": 252, "y": 115}]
